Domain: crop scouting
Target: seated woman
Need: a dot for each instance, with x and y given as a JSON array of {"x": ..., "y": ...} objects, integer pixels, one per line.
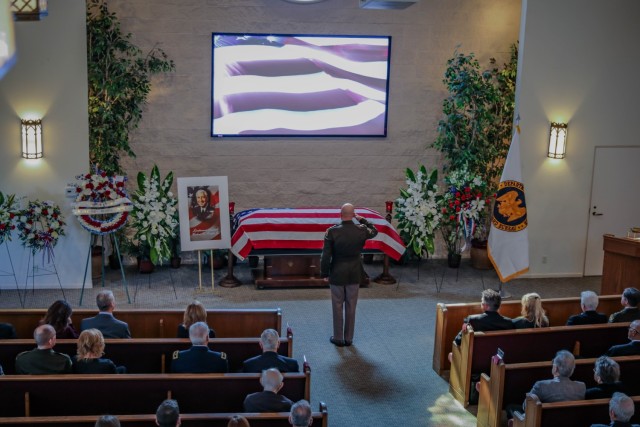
[
  {"x": 59, "y": 316},
  {"x": 532, "y": 314},
  {"x": 607, "y": 376},
  {"x": 89, "y": 358},
  {"x": 194, "y": 313}
]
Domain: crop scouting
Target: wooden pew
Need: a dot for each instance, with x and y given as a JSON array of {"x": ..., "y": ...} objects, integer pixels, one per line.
[
  {"x": 473, "y": 356},
  {"x": 130, "y": 394},
  {"x": 272, "y": 419},
  {"x": 508, "y": 384},
  {"x": 449, "y": 319},
  {"x": 576, "y": 413},
  {"x": 152, "y": 323},
  {"x": 149, "y": 355}
]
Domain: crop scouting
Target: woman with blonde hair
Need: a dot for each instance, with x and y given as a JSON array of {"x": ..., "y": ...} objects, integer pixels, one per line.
[
  {"x": 194, "y": 313},
  {"x": 89, "y": 358},
  {"x": 532, "y": 315}
]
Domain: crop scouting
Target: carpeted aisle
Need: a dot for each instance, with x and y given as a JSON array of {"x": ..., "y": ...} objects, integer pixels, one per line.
[{"x": 385, "y": 378}]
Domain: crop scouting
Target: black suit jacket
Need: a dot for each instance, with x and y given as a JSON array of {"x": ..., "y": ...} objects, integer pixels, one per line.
[
  {"x": 630, "y": 349},
  {"x": 590, "y": 317},
  {"x": 343, "y": 243},
  {"x": 268, "y": 360},
  {"x": 628, "y": 314},
  {"x": 487, "y": 321},
  {"x": 199, "y": 359},
  {"x": 604, "y": 391},
  {"x": 266, "y": 401}
]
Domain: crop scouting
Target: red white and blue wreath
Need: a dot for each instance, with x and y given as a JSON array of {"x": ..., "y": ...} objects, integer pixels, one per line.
[
  {"x": 39, "y": 226},
  {"x": 101, "y": 205}
]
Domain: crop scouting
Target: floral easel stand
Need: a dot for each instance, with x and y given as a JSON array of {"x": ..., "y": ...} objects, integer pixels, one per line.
[
  {"x": 39, "y": 226},
  {"x": 200, "y": 289},
  {"x": 11, "y": 273},
  {"x": 101, "y": 207}
]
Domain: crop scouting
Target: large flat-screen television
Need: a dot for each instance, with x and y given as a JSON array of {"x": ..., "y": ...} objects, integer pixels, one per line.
[{"x": 299, "y": 85}]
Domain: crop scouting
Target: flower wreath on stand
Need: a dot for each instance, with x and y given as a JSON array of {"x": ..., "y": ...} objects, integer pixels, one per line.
[
  {"x": 463, "y": 208},
  {"x": 154, "y": 215},
  {"x": 40, "y": 226},
  {"x": 417, "y": 211},
  {"x": 101, "y": 205},
  {"x": 8, "y": 211}
]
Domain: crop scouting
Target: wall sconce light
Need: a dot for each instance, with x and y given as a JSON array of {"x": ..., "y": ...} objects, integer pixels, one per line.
[
  {"x": 29, "y": 10},
  {"x": 557, "y": 141},
  {"x": 32, "y": 139}
]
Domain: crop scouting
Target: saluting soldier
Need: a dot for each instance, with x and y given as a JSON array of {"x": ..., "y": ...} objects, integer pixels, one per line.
[
  {"x": 341, "y": 266},
  {"x": 199, "y": 359}
]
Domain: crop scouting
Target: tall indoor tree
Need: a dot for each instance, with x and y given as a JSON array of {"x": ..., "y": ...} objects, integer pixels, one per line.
[{"x": 119, "y": 75}]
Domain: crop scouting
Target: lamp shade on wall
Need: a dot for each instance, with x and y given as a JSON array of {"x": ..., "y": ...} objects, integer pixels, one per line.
[
  {"x": 32, "y": 139},
  {"x": 557, "y": 141}
]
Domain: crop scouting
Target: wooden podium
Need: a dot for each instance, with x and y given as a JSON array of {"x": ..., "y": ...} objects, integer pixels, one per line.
[{"x": 621, "y": 265}]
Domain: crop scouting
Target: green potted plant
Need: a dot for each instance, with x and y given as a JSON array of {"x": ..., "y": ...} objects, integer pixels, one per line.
[
  {"x": 119, "y": 76},
  {"x": 417, "y": 211},
  {"x": 153, "y": 218},
  {"x": 475, "y": 132}
]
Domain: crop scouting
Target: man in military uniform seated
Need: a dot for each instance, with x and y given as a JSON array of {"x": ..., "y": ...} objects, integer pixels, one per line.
[
  {"x": 268, "y": 400},
  {"x": 199, "y": 359},
  {"x": 629, "y": 299},
  {"x": 43, "y": 360},
  {"x": 269, "y": 342}
]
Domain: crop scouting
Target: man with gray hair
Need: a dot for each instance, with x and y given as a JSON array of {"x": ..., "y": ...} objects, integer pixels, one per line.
[
  {"x": 632, "y": 348},
  {"x": 43, "y": 360},
  {"x": 621, "y": 409},
  {"x": 104, "y": 321},
  {"x": 269, "y": 343},
  {"x": 268, "y": 400},
  {"x": 301, "y": 415},
  {"x": 199, "y": 359},
  {"x": 560, "y": 388},
  {"x": 589, "y": 315}
]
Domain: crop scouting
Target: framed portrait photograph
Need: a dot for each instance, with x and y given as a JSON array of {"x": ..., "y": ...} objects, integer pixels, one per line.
[{"x": 204, "y": 213}]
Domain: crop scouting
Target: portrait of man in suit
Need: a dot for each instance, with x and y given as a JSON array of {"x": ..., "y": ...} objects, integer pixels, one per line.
[{"x": 204, "y": 213}]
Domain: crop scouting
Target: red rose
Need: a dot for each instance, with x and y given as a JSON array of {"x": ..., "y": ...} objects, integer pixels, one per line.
[
  {"x": 457, "y": 194},
  {"x": 45, "y": 212},
  {"x": 78, "y": 190},
  {"x": 467, "y": 190},
  {"x": 89, "y": 185},
  {"x": 87, "y": 176},
  {"x": 120, "y": 184},
  {"x": 452, "y": 217},
  {"x": 103, "y": 174},
  {"x": 55, "y": 215},
  {"x": 457, "y": 203},
  {"x": 458, "y": 209},
  {"x": 2, "y": 226},
  {"x": 11, "y": 215}
]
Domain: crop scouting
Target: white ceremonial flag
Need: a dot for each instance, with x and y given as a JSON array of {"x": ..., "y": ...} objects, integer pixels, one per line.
[{"x": 509, "y": 238}]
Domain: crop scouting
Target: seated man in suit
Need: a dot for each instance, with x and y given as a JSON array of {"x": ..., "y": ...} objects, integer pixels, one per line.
[
  {"x": 621, "y": 409},
  {"x": 199, "y": 359},
  {"x": 104, "y": 321},
  {"x": 268, "y": 400},
  {"x": 589, "y": 315},
  {"x": 168, "y": 414},
  {"x": 490, "y": 320},
  {"x": 301, "y": 415},
  {"x": 607, "y": 376},
  {"x": 629, "y": 299},
  {"x": 269, "y": 342},
  {"x": 43, "y": 360},
  {"x": 632, "y": 347}
]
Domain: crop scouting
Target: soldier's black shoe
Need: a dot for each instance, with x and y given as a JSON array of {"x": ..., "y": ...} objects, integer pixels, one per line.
[{"x": 337, "y": 343}]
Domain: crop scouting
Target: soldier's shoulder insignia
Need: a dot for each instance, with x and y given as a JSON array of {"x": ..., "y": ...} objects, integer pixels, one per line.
[
  {"x": 223, "y": 355},
  {"x": 176, "y": 354}
]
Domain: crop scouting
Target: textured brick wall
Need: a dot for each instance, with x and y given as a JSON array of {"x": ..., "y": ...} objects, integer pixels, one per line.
[{"x": 269, "y": 172}]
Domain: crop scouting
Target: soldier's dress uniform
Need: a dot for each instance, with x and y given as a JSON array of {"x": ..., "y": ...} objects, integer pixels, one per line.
[
  {"x": 42, "y": 361},
  {"x": 199, "y": 359},
  {"x": 268, "y": 360},
  {"x": 341, "y": 262}
]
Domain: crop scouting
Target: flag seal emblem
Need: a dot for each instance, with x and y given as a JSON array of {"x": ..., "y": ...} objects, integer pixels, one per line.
[{"x": 510, "y": 209}]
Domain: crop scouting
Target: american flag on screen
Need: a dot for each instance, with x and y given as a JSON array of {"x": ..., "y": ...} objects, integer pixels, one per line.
[
  {"x": 283, "y": 85},
  {"x": 304, "y": 228}
]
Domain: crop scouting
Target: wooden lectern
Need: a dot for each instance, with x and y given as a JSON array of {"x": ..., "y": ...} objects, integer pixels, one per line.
[{"x": 621, "y": 265}]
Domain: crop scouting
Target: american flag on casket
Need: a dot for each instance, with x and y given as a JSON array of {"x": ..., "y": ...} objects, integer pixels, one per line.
[{"x": 304, "y": 228}]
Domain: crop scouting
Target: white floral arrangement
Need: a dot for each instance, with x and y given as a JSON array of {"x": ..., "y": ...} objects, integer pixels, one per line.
[
  {"x": 8, "y": 211},
  {"x": 40, "y": 226},
  {"x": 154, "y": 215},
  {"x": 417, "y": 211},
  {"x": 101, "y": 205}
]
